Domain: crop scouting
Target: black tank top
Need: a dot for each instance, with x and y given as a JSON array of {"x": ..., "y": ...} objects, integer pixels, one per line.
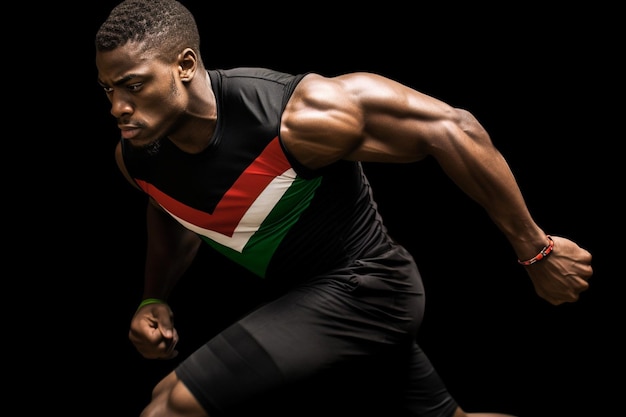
[{"x": 249, "y": 199}]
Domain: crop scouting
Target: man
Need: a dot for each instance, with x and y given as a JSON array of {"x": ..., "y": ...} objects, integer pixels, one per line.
[{"x": 265, "y": 167}]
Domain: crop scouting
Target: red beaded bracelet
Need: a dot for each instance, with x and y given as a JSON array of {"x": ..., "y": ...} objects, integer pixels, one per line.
[{"x": 547, "y": 250}]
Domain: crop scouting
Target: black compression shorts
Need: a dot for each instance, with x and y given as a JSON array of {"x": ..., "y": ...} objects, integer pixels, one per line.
[{"x": 335, "y": 342}]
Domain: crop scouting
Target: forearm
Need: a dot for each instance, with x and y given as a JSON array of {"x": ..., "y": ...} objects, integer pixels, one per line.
[
  {"x": 170, "y": 251},
  {"x": 469, "y": 158}
]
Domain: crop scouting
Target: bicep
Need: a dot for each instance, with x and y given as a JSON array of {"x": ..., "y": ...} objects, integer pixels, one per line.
[
  {"x": 401, "y": 123},
  {"x": 362, "y": 116}
]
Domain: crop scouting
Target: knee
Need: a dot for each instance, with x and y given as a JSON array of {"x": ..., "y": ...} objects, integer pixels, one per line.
[
  {"x": 160, "y": 394},
  {"x": 171, "y": 398}
]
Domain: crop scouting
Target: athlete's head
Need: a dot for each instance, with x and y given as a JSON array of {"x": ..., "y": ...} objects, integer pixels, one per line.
[
  {"x": 147, "y": 53},
  {"x": 163, "y": 25}
]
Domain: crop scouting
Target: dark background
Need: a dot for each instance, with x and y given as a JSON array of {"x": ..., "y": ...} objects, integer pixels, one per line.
[{"x": 543, "y": 83}]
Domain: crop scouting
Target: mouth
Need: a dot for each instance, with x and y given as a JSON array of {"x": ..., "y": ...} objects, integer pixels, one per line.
[{"x": 129, "y": 132}]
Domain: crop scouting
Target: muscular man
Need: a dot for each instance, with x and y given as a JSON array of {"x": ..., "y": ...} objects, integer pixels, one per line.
[{"x": 265, "y": 167}]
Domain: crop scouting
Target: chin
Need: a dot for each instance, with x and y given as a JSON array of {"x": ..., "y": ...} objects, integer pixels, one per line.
[
  {"x": 152, "y": 148},
  {"x": 149, "y": 147}
]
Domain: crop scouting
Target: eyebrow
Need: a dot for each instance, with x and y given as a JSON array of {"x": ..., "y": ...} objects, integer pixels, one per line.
[{"x": 121, "y": 81}]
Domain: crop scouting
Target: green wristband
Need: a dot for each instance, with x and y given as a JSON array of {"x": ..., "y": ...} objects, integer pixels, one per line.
[{"x": 149, "y": 301}]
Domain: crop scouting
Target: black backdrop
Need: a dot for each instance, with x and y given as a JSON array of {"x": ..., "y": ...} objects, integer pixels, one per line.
[{"x": 539, "y": 81}]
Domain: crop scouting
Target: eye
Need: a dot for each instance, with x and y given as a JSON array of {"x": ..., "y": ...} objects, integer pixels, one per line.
[
  {"x": 107, "y": 90},
  {"x": 134, "y": 87}
]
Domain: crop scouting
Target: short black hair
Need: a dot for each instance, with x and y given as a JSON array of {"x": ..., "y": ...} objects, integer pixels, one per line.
[{"x": 164, "y": 25}]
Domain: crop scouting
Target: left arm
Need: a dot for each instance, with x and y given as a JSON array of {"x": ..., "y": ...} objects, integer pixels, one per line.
[{"x": 366, "y": 117}]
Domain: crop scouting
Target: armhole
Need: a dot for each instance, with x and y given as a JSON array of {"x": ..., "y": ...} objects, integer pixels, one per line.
[{"x": 300, "y": 169}]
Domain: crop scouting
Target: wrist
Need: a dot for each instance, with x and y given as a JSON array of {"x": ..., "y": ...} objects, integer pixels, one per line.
[
  {"x": 543, "y": 253},
  {"x": 148, "y": 301}
]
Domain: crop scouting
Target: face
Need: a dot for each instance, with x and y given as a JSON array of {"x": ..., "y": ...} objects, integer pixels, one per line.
[{"x": 146, "y": 94}]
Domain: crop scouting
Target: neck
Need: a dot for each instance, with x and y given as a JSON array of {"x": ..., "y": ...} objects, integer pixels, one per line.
[{"x": 198, "y": 123}]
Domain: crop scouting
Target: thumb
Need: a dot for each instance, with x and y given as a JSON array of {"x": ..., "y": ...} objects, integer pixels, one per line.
[
  {"x": 166, "y": 321},
  {"x": 166, "y": 331}
]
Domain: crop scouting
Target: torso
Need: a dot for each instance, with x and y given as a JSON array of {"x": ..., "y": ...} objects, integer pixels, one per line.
[{"x": 249, "y": 199}]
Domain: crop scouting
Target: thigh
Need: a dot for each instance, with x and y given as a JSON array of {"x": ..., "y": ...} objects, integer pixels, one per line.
[
  {"x": 336, "y": 325},
  {"x": 352, "y": 314}
]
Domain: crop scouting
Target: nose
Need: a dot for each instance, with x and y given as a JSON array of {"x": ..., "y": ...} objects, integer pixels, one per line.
[{"x": 120, "y": 106}]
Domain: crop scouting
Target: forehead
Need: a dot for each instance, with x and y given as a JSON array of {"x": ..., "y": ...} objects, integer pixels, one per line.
[{"x": 129, "y": 58}]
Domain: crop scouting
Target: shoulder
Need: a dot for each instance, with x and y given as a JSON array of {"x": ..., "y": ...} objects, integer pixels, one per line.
[
  {"x": 315, "y": 87},
  {"x": 351, "y": 98},
  {"x": 322, "y": 121},
  {"x": 354, "y": 92},
  {"x": 316, "y": 95}
]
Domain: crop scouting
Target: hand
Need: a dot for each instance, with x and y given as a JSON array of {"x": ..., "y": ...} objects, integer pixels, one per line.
[
  {"x": 562, "y": 276},
  {"x": 152, "y": 332}
]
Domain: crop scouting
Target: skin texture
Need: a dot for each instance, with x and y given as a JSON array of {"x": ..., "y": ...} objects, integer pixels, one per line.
[{"x": 356, "y": 116}]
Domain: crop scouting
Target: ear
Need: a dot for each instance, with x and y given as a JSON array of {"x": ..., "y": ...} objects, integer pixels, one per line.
[{"x": 187, "y": 64}]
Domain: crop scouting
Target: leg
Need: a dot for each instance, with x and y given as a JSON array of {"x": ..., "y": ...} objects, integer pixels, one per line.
[
  {"x": 425, "y": 393},
  {"x": 170, "y": 398},
  {"x": 324, "y": 326},
  {"x": 461, "y": 413}
]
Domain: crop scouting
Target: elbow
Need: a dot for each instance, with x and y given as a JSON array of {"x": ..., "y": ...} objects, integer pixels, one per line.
[{"x": 471, "y": 127}]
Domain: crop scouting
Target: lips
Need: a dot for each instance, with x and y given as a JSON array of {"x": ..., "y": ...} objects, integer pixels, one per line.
[{"x": 129, "y": 132}]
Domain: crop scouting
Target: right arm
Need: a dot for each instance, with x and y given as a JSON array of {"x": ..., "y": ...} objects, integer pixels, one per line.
[{"x": 170, "y": 251}]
